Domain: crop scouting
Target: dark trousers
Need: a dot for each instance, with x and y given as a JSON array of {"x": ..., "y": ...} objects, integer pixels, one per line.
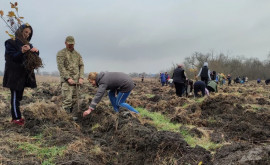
[
  {"x": 179, "y": 87},
  {"x": 205, "y": 80},
  {"x": 16, "y": 97}
]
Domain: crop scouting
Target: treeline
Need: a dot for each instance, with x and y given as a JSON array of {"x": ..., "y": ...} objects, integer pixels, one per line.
[
  {"x": 253, "y": 68},
  {"x": 56, "y": 74}
]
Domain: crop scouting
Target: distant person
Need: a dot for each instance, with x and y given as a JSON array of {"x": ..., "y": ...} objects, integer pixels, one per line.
[
  {"x": 167, "y": 77},
  {"x": 142, "y": 78},
  {"x": 267, "y": 81},
  {"x": 221, "y": 79},
  {"x": 162, "y": 79},
  {"x": 71, "y": 69},
  {"x": 246, "y": 79},
  {"x": 212, "y": 86},
  {"x": 16, "y": 76},
  {"x": 237, "y": 79},
  {"x": 188, "y": 87},
  {"x": 179, "y": 78},
  {"x": 199, "y": 86},
  {"x": 170, "y": 82},
  {"x": 258, "y": 81},
  {"x": 119, "y": 85},
  {"x": 229, "y": 78},
  {"x": 213, "y": 75},
  {"x": 204, "y": 73}
]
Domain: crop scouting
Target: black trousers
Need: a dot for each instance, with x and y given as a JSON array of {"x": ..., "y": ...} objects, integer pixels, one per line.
[
  {"x": 179, "y": 87},
  {"x": 16, "y": 97},
  {"x": 205, "y": 80}
]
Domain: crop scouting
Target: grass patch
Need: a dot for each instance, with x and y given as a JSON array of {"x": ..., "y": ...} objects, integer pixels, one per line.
[
  {"x": 95, "y": 127},
  {"x": 149, "y": 95},
  {"x": 45, "y": 154},
  {"x": 163, "y": 123},
  {"x": 160, "y": 121},
  {"x": 203, "y": 142},
  {"x": 185, "y": 105},
  {"x": 200, "y": 99}
]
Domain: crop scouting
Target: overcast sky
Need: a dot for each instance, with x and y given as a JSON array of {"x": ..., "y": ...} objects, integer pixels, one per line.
[{"x": 143, "y": 35}]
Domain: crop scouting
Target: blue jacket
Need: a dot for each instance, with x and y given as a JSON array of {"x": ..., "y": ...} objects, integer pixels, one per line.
[{"x": 162, "y": 78}]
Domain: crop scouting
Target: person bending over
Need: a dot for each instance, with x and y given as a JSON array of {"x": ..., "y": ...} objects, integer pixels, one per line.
[{"x": 119, "y": 85}]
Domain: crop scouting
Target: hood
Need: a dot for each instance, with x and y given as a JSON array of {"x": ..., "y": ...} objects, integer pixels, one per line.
[
  {"x": 99, "y": 77},
  {"x": 18, "y": 33}
]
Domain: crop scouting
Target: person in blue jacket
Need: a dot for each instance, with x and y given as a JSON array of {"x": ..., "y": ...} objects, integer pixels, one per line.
[
  {"x": 162, "y": 79},
  {"x": 16, "y": 76}
]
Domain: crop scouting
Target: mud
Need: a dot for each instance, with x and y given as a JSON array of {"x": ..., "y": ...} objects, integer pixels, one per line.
[{"x": 237, "y": 117}]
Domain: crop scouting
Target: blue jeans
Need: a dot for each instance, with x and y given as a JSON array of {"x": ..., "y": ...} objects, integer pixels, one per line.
[{"x": 119, "y": 101}]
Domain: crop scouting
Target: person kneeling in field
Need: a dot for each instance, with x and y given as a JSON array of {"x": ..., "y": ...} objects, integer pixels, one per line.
[
  {"x": 199, "y": 86},
  {"x": 212, "y": 86},
  {"x": 120, "y": 86}
]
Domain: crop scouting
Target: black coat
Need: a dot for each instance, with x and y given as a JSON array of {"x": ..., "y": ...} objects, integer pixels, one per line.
[
  {"x": 16, "y": 76},
  {"x": 179, "y": 75}
]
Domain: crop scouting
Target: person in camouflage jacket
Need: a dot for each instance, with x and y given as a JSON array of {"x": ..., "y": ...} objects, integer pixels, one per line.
[{"x": 71, "y": 68}]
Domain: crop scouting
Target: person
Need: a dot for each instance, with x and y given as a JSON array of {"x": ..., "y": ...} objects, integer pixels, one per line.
[
  {"x": 179, "y": 78},
  {"x": 167, "y": 77},
  {"x": 229, "y": 78},
  {"x": 162, "y": 79},
  {"x": 204, "y": 73},
  {"x": 237, "y": 79},
  {"x": 199, "y": 86},
  {"x": 170, "y": 82},
  {"x": 142, "y": 77},
  {"x": 246, "y": 79},
  {"x": 188, "y": 87},
  {"x": 71, "y": 69},
  {"x": 258, "y": 81},
  {"x": 119, "y": 85},
  {"x": 16, "y": 76},
  {"x": 213, "y": 75},
  {"x": 267, "y": 81},
  {"x": 212, "y": 86},
  {"x": 221, "y": 79}
]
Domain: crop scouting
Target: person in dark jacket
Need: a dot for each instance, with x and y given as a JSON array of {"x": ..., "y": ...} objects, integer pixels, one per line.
[
  {"x": 213, "y": 75},
  {"x": 119, "y": 86},
  {"x": 267, "y": 81},
  {"x": 16, "y": 76},
  {"x": 199, "y": 86},
  {"x": 179, "y": 78},
  {"x": 229, "y": 78},
  {"x": 204, "y": 73}
]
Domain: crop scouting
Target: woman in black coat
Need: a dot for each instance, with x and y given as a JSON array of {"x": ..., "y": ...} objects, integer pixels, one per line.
[{"x": 16, "y": 76}]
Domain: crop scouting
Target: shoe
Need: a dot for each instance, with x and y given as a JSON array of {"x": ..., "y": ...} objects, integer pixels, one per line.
[
  {"x": 18, "y": 122},
  {"x": 22, "y": 120}
]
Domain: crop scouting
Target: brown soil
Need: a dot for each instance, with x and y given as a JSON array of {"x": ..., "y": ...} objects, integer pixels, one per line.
[{"x": 237, "y": 117}]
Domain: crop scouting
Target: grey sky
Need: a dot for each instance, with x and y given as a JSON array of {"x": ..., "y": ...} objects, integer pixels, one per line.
[{"x": 144, "y": 35}]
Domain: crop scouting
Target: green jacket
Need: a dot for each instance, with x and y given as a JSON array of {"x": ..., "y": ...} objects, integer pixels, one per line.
[
  {"x": 213, "y": 85},
  {"x": 70, "y": 65}
]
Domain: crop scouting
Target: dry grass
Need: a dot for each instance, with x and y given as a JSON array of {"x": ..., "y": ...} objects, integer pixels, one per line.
[{"x": 41, "y": 79}]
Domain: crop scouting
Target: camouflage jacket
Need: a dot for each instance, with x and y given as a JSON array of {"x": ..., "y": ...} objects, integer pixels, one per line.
[{"x": 70, "y": 65}]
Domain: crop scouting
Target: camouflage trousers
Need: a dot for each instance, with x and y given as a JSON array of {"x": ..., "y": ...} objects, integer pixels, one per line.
[{"x": 69, "y": 96}]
